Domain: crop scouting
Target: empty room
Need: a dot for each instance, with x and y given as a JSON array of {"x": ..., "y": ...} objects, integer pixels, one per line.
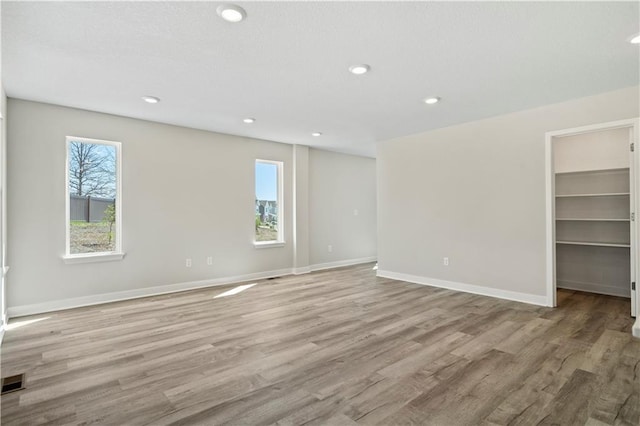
[{"x": 319, "y": 213}]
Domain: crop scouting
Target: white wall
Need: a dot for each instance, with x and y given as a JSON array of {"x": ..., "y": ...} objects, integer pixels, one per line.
[
  {"x": 339, "y": 185},
  {"x": 476, "y": 193},
  {"x": 186, "y": 194},
  {"x": 607, "y": 149}
]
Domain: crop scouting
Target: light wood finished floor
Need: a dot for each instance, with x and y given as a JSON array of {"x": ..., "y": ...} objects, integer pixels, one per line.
[{"x": 335, "y": 348}]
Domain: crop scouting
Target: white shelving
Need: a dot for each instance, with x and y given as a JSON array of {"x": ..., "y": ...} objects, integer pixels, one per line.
[
  {"x": 594, "y": 171},
  {"x": 592, "y": 219},
  {"x": 599, "y": 183},
  {"x": 585, "y": 243},
  {"x": 593, "y": 236},
  {"x": 610, "y": 194}
]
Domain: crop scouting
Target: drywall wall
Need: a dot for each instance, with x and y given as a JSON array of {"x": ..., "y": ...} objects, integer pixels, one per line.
[
  {"x": 342, "y": 207},
  {"x": 606, "y": 149},
  {"x": 186, "y": 194},
  {"x": 475, "y": 193}
]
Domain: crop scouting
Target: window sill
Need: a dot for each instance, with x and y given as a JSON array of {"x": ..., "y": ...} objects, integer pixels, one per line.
[
  {"x": 268, "y": 244},
  {"x": 92, "y": 257}
]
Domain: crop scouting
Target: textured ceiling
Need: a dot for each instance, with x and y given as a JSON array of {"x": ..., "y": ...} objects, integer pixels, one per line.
[{"x": 287, "y": 63}]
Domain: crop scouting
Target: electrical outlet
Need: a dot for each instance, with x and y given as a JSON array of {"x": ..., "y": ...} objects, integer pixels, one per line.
[
  {"x": 330, "y": 248},
  {"x": 445, "y": 261},
  {"x": 188, "y": 263},
  {"x": 355, "y": 212},
  {"x": 210, "y": 260}
]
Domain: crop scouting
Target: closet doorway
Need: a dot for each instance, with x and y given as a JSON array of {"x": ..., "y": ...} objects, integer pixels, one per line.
[{"x": 591, "y": 205}]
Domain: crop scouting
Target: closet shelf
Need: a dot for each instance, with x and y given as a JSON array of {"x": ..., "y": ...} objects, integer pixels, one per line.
[
  {"x": 593, "y": 219},
  {"x": 584, "y": 243},
  {"x": 595, "y": 171},
  {"x": 607, "y": 194}
]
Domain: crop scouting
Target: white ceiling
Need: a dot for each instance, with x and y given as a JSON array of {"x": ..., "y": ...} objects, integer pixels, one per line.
[{"x": 287, "y": 63}]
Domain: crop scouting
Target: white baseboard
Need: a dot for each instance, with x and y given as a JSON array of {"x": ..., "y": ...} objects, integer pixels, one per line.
[
  {"x": 302, "y": 270},
  {"x": 76, "y": 302},
  {"x": 341, "y": 263},
  {"x": 467, "y": 288},
  {"x": 636, "y": 327},
  {"x": 594, "y": 288}
]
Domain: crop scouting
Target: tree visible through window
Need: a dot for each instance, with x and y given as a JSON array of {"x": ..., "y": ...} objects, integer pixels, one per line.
[
  {"x": 268, "y": 207},
  {"x": 92, "y": 204}
]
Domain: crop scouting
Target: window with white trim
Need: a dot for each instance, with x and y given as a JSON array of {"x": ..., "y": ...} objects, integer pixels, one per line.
[
  {"x": 268, "y": 205},
  {"x": 93, "y": 206}
]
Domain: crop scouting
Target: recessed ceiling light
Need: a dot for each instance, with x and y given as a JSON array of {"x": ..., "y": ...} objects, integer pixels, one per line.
[
  {"x": 151, "y": 99},
  {"x": 316, "y": 134},
  {"x": 635, "y": 39},
  {"x": 359, "y": 69},
  {"x": 431, "y": 101},
  {"x": 231, "y": 12},
  {"x": 249, "y": 120}
]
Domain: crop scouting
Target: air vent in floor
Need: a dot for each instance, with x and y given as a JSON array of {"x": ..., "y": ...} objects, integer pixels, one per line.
[{"x": 12, "y": 383}]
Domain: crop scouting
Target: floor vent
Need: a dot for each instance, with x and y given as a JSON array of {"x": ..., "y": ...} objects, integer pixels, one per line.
[{"x": 12, "y": 383}]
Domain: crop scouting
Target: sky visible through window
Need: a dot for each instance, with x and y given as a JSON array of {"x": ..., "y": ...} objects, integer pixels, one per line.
[
  {"x": 266, "y": 181},
  {"x": 92, "y": 169}
]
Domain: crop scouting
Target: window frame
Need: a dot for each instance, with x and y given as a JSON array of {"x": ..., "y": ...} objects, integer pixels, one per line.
[
  {"x": 280, "y": 242},
  {"x": 117, "y": 253}
]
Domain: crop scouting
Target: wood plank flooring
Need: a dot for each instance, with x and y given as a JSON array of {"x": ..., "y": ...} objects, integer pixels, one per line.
[{"x": 338, "y": 347}]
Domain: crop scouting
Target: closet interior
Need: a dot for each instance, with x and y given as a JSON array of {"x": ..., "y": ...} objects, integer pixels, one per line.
[{"x": 593, "y": 211}]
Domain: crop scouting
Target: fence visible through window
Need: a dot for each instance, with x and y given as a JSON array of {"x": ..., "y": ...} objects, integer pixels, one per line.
[{"x": 89, "y": 209}]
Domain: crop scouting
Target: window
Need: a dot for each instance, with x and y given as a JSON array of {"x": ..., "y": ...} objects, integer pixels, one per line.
[
  {"x": 93, "y": 199},
  {"x": 268, "y": 207}
]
